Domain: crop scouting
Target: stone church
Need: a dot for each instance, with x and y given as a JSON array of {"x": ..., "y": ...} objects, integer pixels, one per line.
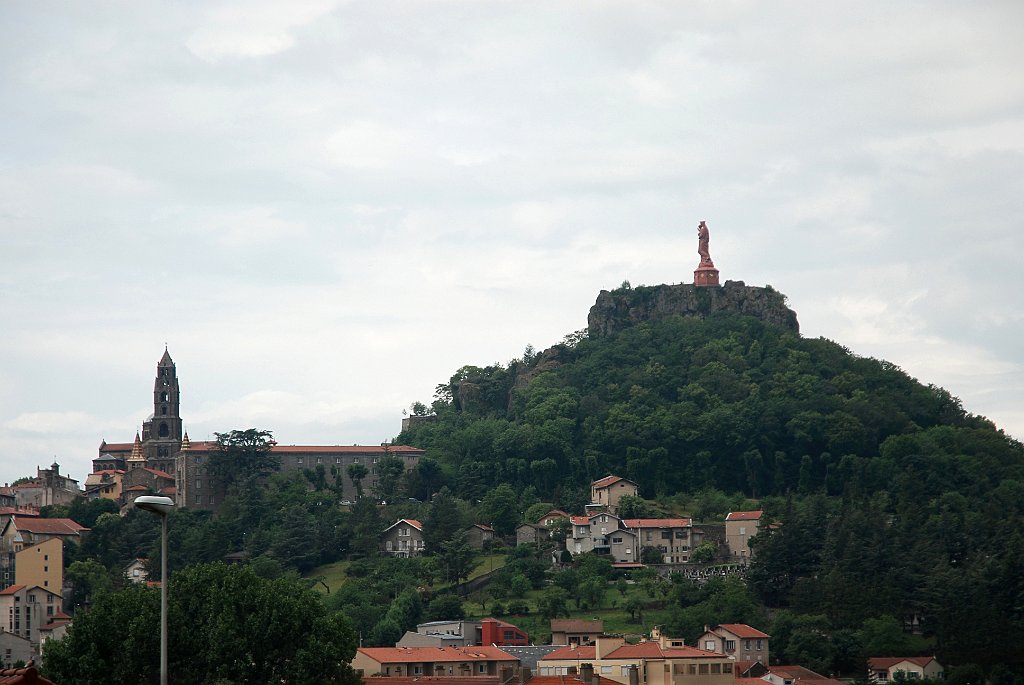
[{"x": 162, "y": 460}]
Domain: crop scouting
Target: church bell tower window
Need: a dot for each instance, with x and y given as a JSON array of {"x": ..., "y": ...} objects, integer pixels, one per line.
[{"x": 164, "y": 430}]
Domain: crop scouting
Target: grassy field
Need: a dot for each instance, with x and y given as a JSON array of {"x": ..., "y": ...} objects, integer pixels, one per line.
[
  {"x": 334, "y": 575},
  {"x": 616, "y": 619}
]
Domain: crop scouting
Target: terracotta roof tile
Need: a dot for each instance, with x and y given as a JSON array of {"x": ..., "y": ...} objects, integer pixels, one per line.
[
  {"x": 391, "y": 655},
  {"x": 609, "y": 480},
  {"x": 744, "y": 515},
  {"x": 887, "y": 662},
  {"x": 657, "y": 523},
  {"x": 742, "y": 630},
  {"x": 41, "y": 526}
]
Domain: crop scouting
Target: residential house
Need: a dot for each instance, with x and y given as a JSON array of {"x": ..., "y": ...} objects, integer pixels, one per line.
[
  {"x": 403, "y": 538},
  {"x": 606, "y": 492},
  {"x": 479, "y": 534},
  {"x": 736, "y": 639},
  {"x": 28, "y": 608},
  {"x": 672, "y": 537},
  {"x": 658, "y": 661},
  {"x": 604, "y": 534},
  {"x": 465, "y": 633},
  {"x": 105, "y": 484},
  {"x": 740, "y": 526},
  {"x": 14, "y": 648},
  {"x": 575, "y": 631},
  {"x": 54, "y": 630},
  {"x": 432, "y": 661},
  {"x": 884, "y": 669},
  {"x": 41, "y": 564},
  {"x": 20, "y": 532},
  {"x": 539, "y": 530},
  {"x": 796, "y": 675},
  {"x": 137, "y": 571}
]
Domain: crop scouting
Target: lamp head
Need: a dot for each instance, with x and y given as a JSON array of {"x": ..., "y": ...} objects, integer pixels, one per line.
[{"x": 162, "y": 506}]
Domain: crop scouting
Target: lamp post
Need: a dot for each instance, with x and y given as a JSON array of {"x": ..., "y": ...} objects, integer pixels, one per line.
[{"x": 162, "y": 507}]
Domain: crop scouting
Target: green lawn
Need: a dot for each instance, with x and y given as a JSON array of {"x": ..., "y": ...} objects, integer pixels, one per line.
[{"x": 333, "y": 575}]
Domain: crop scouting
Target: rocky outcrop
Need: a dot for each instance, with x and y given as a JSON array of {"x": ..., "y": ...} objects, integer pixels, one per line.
[{"x": 622, "y": 308}]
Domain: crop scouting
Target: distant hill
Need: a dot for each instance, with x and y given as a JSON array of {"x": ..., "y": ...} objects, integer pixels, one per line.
[{"x": 677, "y": 388}]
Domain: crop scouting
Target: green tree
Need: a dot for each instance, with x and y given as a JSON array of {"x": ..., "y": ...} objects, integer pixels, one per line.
[
  {"x": 500, "y": 508},
  {"x": 457, "y": 556},
  {"x": 552, "y": 603},
  {"x": 239, "y": 455},
  {"x": 389, "y": 470},
  {"x": 356, "y": 473},
  {"x": 445, "y": 607},
  {"x": 704, "y": 553},
  {"x": 225, "y": 624},
  {"x": 89, "y": 578},
  {"x": 444, "y": 520}
]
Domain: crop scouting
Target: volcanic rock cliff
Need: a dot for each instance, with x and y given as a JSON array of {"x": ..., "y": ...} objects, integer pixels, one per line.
[{"x": 625, "y": 307}]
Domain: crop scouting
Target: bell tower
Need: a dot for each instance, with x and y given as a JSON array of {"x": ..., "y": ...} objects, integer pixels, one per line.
[{"x": 162, "y": 432}]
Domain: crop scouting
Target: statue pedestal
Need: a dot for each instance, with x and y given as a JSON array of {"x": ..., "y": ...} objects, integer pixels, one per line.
[{"x": 705, "y": 276}]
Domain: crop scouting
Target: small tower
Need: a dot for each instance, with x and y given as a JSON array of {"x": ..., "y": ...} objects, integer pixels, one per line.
[{"x": 136, "y": 460}]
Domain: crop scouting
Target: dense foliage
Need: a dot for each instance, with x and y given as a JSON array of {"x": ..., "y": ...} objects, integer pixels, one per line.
[
  {"x": 226, "y": 624},
  {"x": 891, "y": 504},
  {"x": 677, "y": 404}
]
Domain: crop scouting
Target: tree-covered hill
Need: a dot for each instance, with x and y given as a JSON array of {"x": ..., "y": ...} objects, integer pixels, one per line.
[{"x": 728, "y": 401}]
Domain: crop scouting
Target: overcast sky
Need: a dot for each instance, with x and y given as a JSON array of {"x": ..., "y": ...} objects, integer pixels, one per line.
[{"x": 326, "y": 208}]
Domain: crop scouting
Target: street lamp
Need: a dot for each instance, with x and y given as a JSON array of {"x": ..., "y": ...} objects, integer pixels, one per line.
[{"x": 162, "y": 507}]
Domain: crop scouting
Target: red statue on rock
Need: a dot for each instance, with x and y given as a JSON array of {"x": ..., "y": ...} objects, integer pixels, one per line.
[
  {"x": 702, "y": 245},
  {"x": 706, "y": 273}
]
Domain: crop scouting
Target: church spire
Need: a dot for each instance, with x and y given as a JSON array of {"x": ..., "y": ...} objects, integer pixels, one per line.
[{"x": 136, "y": 459}]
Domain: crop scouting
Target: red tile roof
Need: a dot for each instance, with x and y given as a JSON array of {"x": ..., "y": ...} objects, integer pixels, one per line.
[
  {"x": 744, "y": 515},
  {"x": 28, "y": 675},
  {"x": 742, "y": 630},
  {"x": 656, "y": 523},
  {"x": 432, "y": 680},
  {"x": 22, "y": 511},
  {"x": 401, "y": 655},
  {"x": 40, "y": 526},
  {"x": 11, "y": 589},
  {"x": 160, "y": 474},
  {"x": 580, "y": 520},
  {"x": 412, "y": 522},
  {"x": 554, "y": 513},
  {"x": 609, "y": 480},
  {"x": 887, "y": 662},
  {"x": 799, "y": 674}
]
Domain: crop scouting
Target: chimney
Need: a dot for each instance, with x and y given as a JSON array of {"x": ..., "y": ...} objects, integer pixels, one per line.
[
  {"x": 634, "y": 675},
  {"x": 605, "y": 645},
  {"x": 587, "y": 673}
]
